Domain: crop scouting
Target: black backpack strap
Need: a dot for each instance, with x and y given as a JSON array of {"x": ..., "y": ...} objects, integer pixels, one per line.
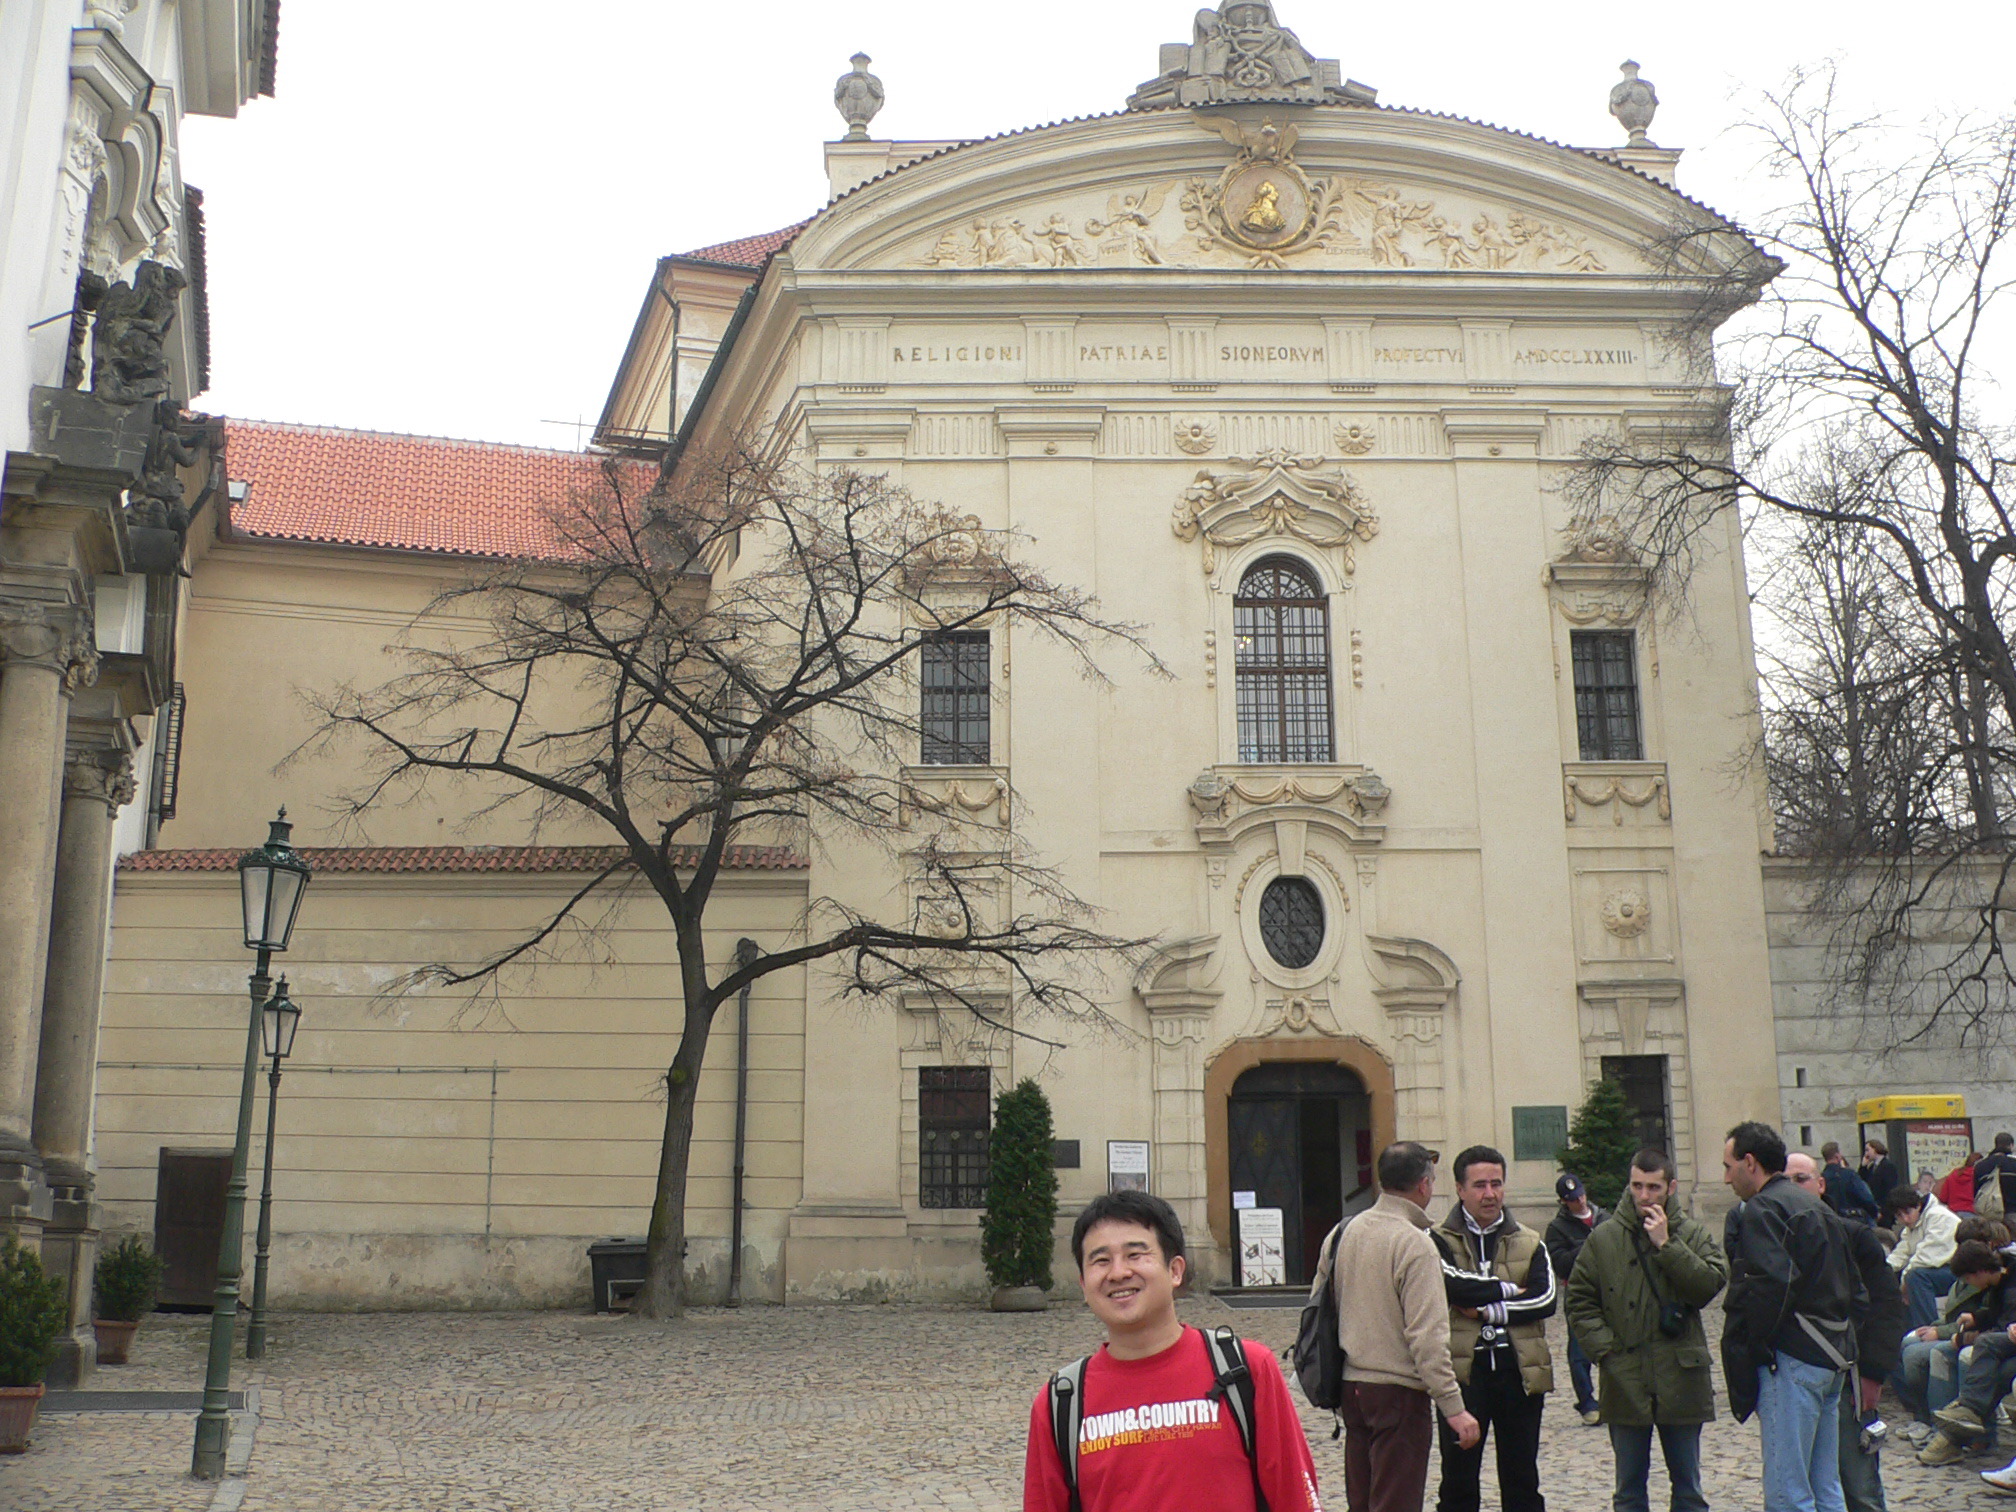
[
  {"x": 1234, "y": 1385},
  {"x": 1067, "y": 1411}
]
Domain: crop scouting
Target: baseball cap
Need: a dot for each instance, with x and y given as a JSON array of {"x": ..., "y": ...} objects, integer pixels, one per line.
[{"x": 1568, "y": 1187}]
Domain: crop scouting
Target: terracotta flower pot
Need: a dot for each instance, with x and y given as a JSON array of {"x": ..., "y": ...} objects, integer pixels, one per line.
[
  {"x": 1019, "y": 1299},
  {"x": 115, "y": 1338},
  {"x": 17, "y": 1416}
]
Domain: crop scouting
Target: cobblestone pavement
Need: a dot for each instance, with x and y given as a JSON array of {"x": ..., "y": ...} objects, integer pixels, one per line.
[{"x": 849, "y": 1409}]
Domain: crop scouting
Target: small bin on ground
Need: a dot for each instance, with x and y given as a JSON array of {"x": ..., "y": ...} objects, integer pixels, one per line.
[{"x": 616, "y": 1272}]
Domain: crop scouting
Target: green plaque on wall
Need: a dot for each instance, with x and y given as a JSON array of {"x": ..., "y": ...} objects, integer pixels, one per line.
[{"x": 1538, "y": 1133}]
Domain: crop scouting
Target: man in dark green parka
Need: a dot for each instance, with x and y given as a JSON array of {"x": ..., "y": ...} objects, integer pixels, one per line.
[{"x": 1634, "y": 1304}]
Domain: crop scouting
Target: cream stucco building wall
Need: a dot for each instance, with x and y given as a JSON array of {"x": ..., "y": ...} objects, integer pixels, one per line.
[{"x": 1074, "y": 333}]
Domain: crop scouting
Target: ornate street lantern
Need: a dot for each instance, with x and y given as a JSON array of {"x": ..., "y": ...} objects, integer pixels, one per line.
[{"x": 272, "y": 879}]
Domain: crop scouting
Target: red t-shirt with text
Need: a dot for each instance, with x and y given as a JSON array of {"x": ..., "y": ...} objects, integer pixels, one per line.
[{"x": 1152, "y": 1439}]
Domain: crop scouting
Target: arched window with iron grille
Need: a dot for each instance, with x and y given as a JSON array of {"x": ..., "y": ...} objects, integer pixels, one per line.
[{"x": 1281, "y": 660}]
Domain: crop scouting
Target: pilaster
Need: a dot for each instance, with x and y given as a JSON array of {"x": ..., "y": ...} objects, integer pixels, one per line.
[{"x": 46, "y": 652}]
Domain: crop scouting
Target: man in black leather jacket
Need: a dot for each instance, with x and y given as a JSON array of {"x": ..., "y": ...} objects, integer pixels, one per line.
[
  {"x": 1788, "y": 1346},
  {"x": 1879, "y": 1335}
]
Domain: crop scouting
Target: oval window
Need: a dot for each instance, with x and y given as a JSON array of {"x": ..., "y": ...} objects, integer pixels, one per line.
[{"x": 1291, "y": 921}]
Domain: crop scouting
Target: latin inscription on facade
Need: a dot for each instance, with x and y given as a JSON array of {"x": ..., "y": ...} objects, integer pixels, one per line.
[{"x": 953, "y": 352}]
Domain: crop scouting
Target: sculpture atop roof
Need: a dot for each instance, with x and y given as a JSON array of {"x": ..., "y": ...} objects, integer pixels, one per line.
[
  {"x": 1633, "y": 101},
  {"x": 1241, "y": 52},
  {"x": 858, "y": 97}
]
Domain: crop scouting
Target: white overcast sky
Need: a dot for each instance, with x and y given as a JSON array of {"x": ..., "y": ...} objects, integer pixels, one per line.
[{"x": 446, "y": 220}]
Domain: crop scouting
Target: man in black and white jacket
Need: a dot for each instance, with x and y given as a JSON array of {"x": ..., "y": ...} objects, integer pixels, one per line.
[{"x": 1500, "y": 1283}]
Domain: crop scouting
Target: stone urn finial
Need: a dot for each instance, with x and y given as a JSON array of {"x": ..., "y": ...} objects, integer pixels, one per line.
[
  {"x": 1634, "y": 102},
  {"x": 858, "y": 96}
]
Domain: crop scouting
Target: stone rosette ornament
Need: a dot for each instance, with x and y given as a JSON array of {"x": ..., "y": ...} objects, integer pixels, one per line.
[{"x": 1627, "y": 913}]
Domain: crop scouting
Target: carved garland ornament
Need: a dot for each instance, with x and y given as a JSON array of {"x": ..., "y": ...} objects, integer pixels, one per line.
[
  {"x": 1598, "y": 791},
  {"x": 1275, "y": 493}
]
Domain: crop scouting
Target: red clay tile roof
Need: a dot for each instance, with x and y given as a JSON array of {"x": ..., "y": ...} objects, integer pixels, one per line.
[
  {"x": 406, "y": 493},
  {"x": 407, "y": 859},
  {"x": 748, "y": 251}
]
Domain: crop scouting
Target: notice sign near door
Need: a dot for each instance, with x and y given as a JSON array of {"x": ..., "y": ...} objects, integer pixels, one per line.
[
  {"x": 1126, "y": 1165},
  {"x": 1263, "y": 1259}
]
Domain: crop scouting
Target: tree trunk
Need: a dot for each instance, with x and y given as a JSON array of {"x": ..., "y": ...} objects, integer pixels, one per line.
[{"x": 664, "y": 1294}]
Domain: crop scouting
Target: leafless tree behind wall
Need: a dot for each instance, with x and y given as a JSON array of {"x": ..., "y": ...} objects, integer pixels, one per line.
[
  {"x": 729, "y": 656},
  {"x": 1858, "y": 433}
]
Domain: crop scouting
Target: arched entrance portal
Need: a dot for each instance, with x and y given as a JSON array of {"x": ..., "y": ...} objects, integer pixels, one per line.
[{"x": 1299, "y": 1136}]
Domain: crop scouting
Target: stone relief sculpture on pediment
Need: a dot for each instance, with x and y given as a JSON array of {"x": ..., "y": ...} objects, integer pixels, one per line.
[
  {"x": 1265, "y": 210},
  {"x": 1275, "y": 493}
]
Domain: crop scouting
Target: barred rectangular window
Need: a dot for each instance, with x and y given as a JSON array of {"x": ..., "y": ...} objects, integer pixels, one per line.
[
  {"x": 1606, "y": 695},
  {"x": 954, "y": 1119},
  {"x": 1281, "y": 662},
  {"x": 955, "y": 711}
]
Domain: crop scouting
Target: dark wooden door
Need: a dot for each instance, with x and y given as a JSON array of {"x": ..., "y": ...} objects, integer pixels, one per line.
[
  {"x": 189, "y": 1187},
  {"x": 1300, "y": 1142}
]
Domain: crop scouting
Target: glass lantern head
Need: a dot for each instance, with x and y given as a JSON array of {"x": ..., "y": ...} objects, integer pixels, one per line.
[
  {"x": 277, "y": 1022},
  {"x": 272, "y": 879}
]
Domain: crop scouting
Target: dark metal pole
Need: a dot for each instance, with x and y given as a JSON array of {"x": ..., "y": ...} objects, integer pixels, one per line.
[
  {"x": 255, "y": 1336},
  {"x": 213, "y": 1423},
  {"x": 746, "y": 952}
]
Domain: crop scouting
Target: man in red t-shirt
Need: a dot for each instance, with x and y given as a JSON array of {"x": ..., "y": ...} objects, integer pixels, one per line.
[{"x": 1153, "y": 1434}]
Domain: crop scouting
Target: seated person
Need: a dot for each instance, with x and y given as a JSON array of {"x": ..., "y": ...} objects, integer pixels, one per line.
[
  {"x": 1988, "y": 1368},
  {"x": 1943, "y": 1340}
]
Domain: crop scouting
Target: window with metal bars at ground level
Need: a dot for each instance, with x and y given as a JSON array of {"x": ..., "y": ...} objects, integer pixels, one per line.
[
  {"x": 1281, "y": 664},
  {"x": 954, "y": 1120},
  {"x": 954, "y": 716},
  {"x": 1606, "y": 695}
]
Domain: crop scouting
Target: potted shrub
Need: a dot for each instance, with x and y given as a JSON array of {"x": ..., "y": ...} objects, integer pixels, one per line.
[
  {"x": 1017, "y": 1235},
  {"x": 31, "y": 1321},
  {"x": 129, "y": 1273}
]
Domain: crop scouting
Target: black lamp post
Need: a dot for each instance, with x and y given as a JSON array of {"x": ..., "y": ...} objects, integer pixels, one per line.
[
  {"x": 271, "y": 879},
  {"x": 279, "y": 1019}
]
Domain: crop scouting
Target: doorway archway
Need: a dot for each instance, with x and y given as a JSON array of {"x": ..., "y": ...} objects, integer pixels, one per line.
[{"x": 1302, "y": 1121}]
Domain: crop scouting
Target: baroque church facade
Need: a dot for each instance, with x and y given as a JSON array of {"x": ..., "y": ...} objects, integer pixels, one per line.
[{"x": 1436, "y": 824}]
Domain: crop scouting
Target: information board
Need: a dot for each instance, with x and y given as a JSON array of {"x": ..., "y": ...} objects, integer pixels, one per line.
[
  {"x": 1263, "y": 1261},
  {"x": 1126, "y": 1165}
]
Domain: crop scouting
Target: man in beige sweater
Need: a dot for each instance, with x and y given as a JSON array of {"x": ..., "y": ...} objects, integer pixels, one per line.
[{"x": 1393, "y": 1321}]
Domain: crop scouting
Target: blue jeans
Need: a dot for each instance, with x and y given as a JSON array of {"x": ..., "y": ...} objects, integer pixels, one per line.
[
  {"x": 1680, "y": 1443},
  {"x": 1861, "y": 1471},
  {"x": 1799, "y": 1413},
  {"x": 1922, "y": 1291},
  {"x": 1580, "y": 1373},
  {"x": 1913, "y": 1381}
]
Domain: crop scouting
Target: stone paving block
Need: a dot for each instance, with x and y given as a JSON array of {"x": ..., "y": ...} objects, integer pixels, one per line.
[{"x": 854, "y": 1409}]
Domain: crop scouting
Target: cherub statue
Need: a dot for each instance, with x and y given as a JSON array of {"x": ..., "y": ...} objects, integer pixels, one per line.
[
  {"x": 157, "y": 498},
  {"x": 129, "y": 364}
]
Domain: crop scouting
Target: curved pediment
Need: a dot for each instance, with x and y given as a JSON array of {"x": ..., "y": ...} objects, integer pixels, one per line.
[{"x": 1274, "y": 187}]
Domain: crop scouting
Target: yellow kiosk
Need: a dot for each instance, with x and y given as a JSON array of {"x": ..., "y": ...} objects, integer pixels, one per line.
[{"x": 1926, "y": 1133}]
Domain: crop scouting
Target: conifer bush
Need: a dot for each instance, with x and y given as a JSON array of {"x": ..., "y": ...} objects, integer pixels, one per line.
[
  {"x": 128, "y": 1276},
  {"x": 1601, "y": 1142},
  {"x": 31, "y": 1315},
  {"x": 1017, "y": 1235}
]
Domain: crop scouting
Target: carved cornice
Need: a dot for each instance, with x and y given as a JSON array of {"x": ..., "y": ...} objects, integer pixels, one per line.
[
  {"x": 1275, "y": 493},
  {"x": 1347, "y": 800},
  {"x": 1178, "y": 980},
  {"x": 1598, "y": 579},
  {"x": 104, "y": 775},
  {"x": 1415, "y": 976},
  {"x": 57, "y": 638}
]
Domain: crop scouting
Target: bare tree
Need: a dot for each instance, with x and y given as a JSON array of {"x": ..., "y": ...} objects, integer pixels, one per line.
[
  {"x": 1855, "y": 425},
  {"x": 732, "y": 657}
]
